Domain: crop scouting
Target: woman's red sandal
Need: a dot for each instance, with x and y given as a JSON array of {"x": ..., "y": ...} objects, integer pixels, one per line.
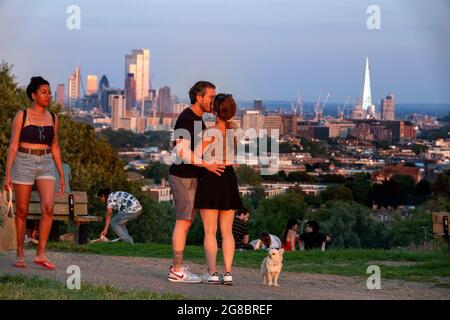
[{"x": 45, "y": 264}]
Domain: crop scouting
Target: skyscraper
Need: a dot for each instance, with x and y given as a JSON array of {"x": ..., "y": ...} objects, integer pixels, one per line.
[
  {"x": 74, "y": 87},
  {"x": 60, "y": 94},
  {"x": 388, "y": 108},
  {"x": 366, "y": 103},
  {"x": 117, "y": 103},
  {"x": 130, "y": 92},
  {"x": 91, "y": 84},
  {"x": 164, "y": 101},
  {"x": 258, "y": 105},
  {"x": 138, "y": 63},
  {"x": 103, "y": 98}
]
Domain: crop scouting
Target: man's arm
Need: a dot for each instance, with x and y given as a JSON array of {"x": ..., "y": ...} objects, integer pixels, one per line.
[
  {"x": 184, "y": 152},
  {"x": 107, "y": 222},
  {"x": 245, "y": 239}
]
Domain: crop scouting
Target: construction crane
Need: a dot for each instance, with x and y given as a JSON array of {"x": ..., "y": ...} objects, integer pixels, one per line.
[
  {"x": 298, "y": 106},
  {"x": 318, "y": 110},
  {"x": 341, "y": 111}
]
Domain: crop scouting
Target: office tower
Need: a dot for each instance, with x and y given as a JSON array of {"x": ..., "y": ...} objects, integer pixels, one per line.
[
  {"x": 388, "y": 108},
  {"x": 138, "y": 63},
  {"x": 103, "y": 99},
  {"x": 258, "y": 105},
  {"x": 60, "y": 94},
  {"x": 358, "y": 112},
  {"x": 130, "y": 92},
  {"x": 74, "y": 88},
  {"x": 366, "y": 103},
  {"x": 273, "y": 121},
  {"x": 164, "y": 101},
  {"x": 91, "y": 84},
  {"x": 253, "y": 119},
  {"x": 117, "y": 103}
]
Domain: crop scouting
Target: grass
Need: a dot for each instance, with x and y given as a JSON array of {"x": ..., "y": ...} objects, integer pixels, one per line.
[
  {"x": 423, "y": 266},
  {"x": 34, "y": 288}
]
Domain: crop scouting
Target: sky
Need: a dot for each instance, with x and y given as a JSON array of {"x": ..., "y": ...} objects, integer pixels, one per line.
[{"x": 264, "y": 49}]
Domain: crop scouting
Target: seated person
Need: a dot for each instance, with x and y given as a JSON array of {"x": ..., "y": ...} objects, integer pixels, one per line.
[
  {"x": 312, "y": 238},
  {"x": 240, "y": 230},
  {"x": 289, "y": 237},
  {"x": 266, "y": 241}
]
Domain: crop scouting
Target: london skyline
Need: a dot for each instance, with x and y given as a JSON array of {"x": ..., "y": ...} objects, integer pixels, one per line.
[{"x": 314, "y": 47}]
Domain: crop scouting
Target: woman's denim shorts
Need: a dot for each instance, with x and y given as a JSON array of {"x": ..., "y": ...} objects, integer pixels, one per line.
[{"x": 27, "y": 168}]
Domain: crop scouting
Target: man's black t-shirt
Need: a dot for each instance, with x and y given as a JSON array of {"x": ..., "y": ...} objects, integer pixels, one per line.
[
  {"x": 312, "y": 240},
  {"x": 186, "y": 121},
  {"x": 240, "y": 229}
]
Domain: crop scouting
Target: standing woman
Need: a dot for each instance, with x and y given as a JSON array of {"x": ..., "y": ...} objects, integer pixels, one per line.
[
  {"x": 34, "y": 142},
  {"x": 218, "y": 197}
]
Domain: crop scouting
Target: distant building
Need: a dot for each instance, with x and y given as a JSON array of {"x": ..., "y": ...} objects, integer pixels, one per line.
[
  {"x": 117, "y": 103},
  {"x": 74, "y": 88},
  {"x": 164, "y": 101},
  {"x": 60, "y": 94},
  {"x": 138, "y": 63},
  {"x": 340, "y": 128},
  {"x": 103, "y": 98},
  {"x": 388, "y": 108},
  {"x": 387, "y": 172},
  {"x": 91, "y": 84},
  {"x": 273, "y": 122},
  {"x": 312, "y": 131},
  {"x": 252, "y": 119},
  {"x": 258, "y": 105},
  {"x": 130, "y": 92}
]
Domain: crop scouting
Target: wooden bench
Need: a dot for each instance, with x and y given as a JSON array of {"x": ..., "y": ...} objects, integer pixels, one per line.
[
  {"x": 440, "y": 226},
  {"x": 72, "y": 206}
]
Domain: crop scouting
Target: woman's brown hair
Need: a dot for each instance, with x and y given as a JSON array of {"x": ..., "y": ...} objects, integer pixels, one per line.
[{"x": 224, "y": 107}]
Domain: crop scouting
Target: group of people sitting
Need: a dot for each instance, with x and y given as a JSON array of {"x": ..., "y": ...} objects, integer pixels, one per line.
[{"x": 290, "y": 240}]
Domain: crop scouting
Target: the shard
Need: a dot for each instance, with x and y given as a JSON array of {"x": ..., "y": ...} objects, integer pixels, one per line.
[{"x": 367, "y": 93}]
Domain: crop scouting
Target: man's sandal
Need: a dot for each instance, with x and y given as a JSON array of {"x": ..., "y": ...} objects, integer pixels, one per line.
[{"x": 45, "y": 264}]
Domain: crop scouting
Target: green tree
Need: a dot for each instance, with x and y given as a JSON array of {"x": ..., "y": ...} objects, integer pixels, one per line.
[
  {"x": 272, "y": 214},
  {"x": 247, "y": 175},
  {"x": 339, "y": 192},
  {"x": 157, "y": 171}
]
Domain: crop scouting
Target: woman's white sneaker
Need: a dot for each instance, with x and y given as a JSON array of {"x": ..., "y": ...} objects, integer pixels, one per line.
[
  {"x": 211, "y": 278},
  {"x": 227, "y": 279}
]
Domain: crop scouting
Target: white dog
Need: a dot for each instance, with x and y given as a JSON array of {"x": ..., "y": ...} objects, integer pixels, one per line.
[{"x": 271, "y": 267}]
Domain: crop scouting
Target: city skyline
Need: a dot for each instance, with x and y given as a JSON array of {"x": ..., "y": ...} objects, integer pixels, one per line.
[{"x": 299, "y": 52}]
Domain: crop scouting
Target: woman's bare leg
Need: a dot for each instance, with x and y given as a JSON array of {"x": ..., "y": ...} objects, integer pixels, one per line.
[
  {"x": 226, "y": 229},
  {"x": 46, "y": 189},
  {"x": 209, "y": 217},
  {"x": 22, "y": 194}
]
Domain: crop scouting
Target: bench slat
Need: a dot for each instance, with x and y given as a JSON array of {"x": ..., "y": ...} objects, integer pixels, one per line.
[
  {"x": 60, "y": 209},
  {"x": 88, "y": 219},
  {"x": 78, "y": 196}
]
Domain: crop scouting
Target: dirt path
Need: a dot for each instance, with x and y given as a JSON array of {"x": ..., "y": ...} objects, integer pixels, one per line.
[{"x": 133, "y": 273}]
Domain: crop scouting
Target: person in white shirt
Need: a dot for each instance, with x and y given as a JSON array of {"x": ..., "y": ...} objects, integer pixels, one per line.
[
  {"x": 127, "y": 208},
  {"x": 266, "y": 241}
]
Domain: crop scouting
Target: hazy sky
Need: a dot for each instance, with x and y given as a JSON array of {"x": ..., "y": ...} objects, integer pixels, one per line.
[{"x": 253, "y": 49}]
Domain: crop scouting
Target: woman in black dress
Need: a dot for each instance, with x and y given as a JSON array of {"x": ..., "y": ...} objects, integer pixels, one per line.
[{"x": 217, "y": 196}]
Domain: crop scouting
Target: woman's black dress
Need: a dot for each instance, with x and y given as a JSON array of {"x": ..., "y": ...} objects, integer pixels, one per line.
[{"x": 218, "y": 192}]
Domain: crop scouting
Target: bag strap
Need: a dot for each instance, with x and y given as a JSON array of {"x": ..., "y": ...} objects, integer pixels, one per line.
[
  {"x": 24, "y": 117},
  {"x": 9, "y": 211}
]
